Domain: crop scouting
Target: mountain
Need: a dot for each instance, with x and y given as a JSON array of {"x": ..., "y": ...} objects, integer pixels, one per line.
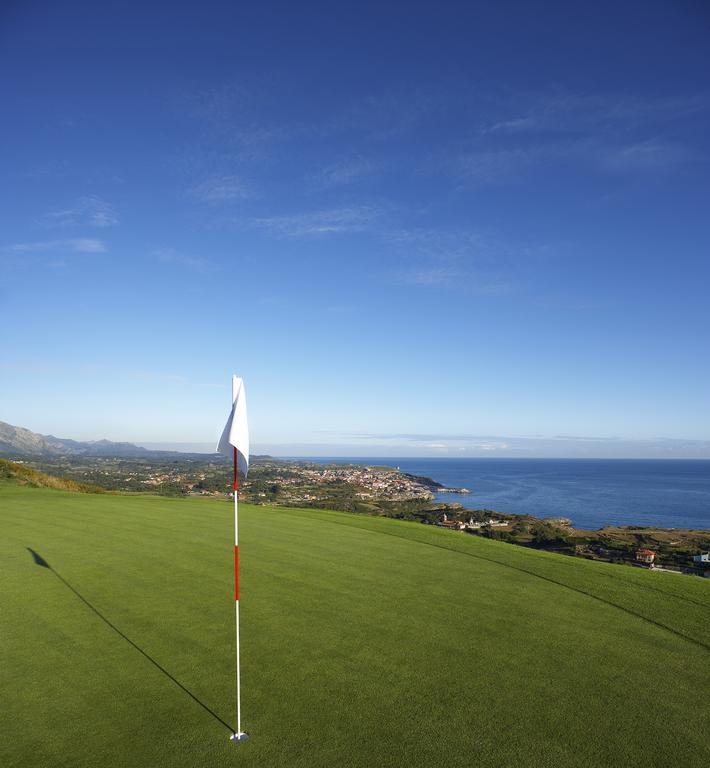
[{"x": 18, "y": 441}]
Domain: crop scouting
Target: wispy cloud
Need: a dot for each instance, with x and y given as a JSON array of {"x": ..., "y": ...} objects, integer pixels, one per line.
[
  {"x": 500, "y": 166},
  {"x": 590, "y": 155},
  {"x": 383, "y": 116},
  {"x": 344, "y": 172},
  {"x": 430, "y": 275},
  {"x": 228, "y": 117},
  {"x": 219, "y": 189},
  {"x": 465, "y": 260},
  {"x": 228, "y": 137},
  {"x": 463, "y": 444},
  {"x": 32, "y": 367},
  {"x": 512, "y": 125},
  {"x": 468, "y": 281},
  {"x": 87, "y": 211},
  {"x": 72, "y": 245},
  {"x": 607, "y": 133},
  {"x": 445, "y": 443},
  {"x": 314, "y": 223},
  {"x": 450, "y": 243},
  {"x": 644, "y": 156},
  {"x": 563, "y": 111},
  {"x": 155, "y": 376},
  {"x": 178, "y": 258},
  {"x": 234, "y": 126}
]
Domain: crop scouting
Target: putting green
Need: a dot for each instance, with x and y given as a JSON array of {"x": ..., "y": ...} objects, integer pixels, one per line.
[{"x": 366, "y": 642}]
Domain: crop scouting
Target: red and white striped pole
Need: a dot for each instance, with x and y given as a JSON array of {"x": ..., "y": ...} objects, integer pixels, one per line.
[
  {"x": 239, "y": 735},
  {"x": 235, "y": 441}
]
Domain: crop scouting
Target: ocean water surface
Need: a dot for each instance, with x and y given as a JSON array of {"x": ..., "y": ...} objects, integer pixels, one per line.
[{"x": 593, "y": 493}]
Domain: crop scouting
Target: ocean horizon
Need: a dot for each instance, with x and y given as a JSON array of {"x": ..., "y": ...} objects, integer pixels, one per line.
[{"x": 592, "y": 493}]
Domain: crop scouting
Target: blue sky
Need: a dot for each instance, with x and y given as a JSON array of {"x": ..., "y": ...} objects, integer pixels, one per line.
[{"x": 421, "y": 229}]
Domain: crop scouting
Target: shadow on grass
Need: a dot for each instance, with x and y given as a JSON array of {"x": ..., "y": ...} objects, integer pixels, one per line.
[{"x": 39, "y": 560}]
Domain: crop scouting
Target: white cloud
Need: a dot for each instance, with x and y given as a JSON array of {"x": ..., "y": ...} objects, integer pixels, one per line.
[
  {"x": 382, "y": 117},
  {"x": 513, "y": 125},
  {"x": 501, "y": 166},
  {"x": 155, "y": 376},
  {"x": 88, "y": 245},
  {"x": 344, "y": 172},
  {"x": 447, "y": 243},
  {"x": 465, "y": 260},
  {"x": 468, "y": 281},
  {"x": 172, "y": 256},
  {"x": 430, "y": 275},
  {"x": 651, "y": 155},
  {"x": 563, "y": 111},
  {"x": 584, "y": 155},
  {"x": 73, "y": 245},
  {"x": 88, "y": 211},
  {"x": 402, "y": 444},
  {"x": 228, "y": 118},
  {"x": 335, "y": 221},
  {"x": 217, "y": 189},
  {"x": 608, "y": 133}
]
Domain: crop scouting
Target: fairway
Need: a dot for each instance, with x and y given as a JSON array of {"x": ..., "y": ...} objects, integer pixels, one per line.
[{"x": 366, "y": 642}]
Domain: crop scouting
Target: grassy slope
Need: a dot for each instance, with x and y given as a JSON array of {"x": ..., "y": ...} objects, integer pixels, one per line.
[
  {"x": 367, "y": 642},
  {"x": 11, "y": 471}
]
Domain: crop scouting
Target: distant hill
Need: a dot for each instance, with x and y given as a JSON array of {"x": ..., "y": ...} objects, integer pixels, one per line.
[
  {"x": 21, "y": 441},
  {"x": 18, "y": 442}
]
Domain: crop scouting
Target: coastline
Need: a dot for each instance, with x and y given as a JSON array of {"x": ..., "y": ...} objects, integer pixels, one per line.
[{"x": 593, "y": 493}]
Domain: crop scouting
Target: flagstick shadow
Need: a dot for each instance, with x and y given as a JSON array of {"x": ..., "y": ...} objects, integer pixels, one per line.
[{"x": 39, "y": 560}]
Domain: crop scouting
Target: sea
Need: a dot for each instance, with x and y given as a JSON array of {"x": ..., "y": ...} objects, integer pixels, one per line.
[{"x": 592, "y": 493}]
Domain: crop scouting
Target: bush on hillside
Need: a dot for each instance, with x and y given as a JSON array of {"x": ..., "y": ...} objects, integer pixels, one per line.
[{"x": 18, "y": 473}]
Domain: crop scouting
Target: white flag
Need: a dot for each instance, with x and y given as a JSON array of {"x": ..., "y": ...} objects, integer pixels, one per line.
[{"x": 236, "y": 430}]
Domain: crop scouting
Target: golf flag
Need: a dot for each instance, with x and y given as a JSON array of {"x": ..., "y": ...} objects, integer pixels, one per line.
[
  {"x": 235, "y": 443},
  {"x": 236, "y": 430}
]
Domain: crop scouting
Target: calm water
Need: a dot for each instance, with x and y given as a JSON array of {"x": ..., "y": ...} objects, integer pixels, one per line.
[{"x": 591, "y": 492}]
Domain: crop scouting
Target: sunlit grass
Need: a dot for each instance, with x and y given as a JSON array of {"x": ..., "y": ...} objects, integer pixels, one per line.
[{"x": 366, "y": 642}]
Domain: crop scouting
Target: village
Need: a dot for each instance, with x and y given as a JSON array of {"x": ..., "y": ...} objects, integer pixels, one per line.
[
  {"x": 304, "y": 482},
  {"x": 471, "y": 524},
  {"x": 623, "y": 546}
]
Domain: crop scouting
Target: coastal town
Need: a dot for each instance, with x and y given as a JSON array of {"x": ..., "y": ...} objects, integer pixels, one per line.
[{"x": 300, "y": 482}]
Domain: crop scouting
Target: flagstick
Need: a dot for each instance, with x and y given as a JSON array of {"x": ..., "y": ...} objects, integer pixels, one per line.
[{"x": 239, "y": 735}]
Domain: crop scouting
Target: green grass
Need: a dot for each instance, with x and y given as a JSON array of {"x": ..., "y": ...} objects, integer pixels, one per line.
[{"x": 366, "y": 642}]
